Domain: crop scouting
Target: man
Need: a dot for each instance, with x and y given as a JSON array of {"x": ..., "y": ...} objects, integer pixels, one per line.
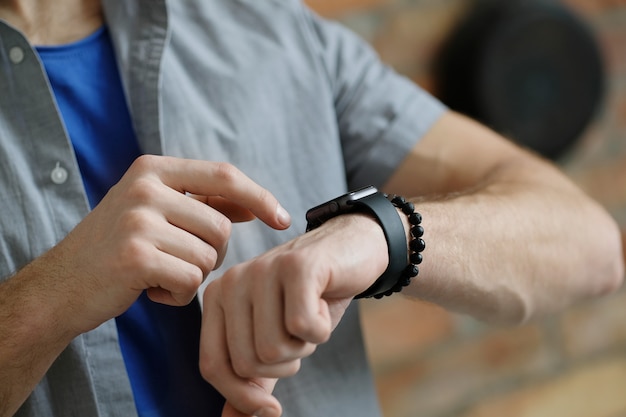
[{"x": 293, "y": 109}]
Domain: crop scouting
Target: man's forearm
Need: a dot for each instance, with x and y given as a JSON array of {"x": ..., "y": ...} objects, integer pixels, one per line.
[
  {"x": 508, "y": 236},
  {"x": 32, "y": 334},
  {"x": 525, "y": 242}
]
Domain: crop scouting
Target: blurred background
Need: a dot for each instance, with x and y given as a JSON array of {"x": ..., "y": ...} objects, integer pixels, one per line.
[{"x": 552, "y": 75}]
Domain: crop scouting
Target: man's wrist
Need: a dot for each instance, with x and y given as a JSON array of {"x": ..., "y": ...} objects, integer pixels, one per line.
[
  {"x": 403, "y": 257},
  {"x": 362, "y": 235}
]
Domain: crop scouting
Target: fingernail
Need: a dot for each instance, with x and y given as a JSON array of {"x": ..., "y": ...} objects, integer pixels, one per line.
[
  {"x": 283, "y": 217},
  {"x": 260, "y": 413}
]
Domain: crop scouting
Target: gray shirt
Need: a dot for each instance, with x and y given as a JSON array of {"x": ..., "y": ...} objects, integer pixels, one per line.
[{"x": 298, "y": 103}]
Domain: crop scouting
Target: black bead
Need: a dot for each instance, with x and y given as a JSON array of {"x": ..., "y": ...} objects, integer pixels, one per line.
[
  {"x": 417, "y": 245},
  {"x": 417, "y": 231},
  {"x": 415, "y": 218},
  {"x": 411, "y": 270},
  {"x": 398, "y": 200},
  {"x": 416, "y": 258},
  {"x": 408, "y": 208}
]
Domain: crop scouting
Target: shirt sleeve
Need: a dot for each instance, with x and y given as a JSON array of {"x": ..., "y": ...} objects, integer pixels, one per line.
[{"x": 380, "y": 113}]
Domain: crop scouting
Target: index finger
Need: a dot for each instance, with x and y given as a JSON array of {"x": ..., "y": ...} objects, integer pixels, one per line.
[{"x": 221, "y": 179}]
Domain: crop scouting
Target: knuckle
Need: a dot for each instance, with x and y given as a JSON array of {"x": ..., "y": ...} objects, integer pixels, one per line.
[
  {"x": 144, "y": 163},
  {"x": 230, "y": 283},
  {"x": 137, "y": 222},
  {"x": 211, "y": 292},
  {"x": 289, "y": 262},
  {"x": 298, "y": 326},
  {"x": 259, "y": 268},
  {"x": 207, "y": 260},
  {"x": 295, "y": 261},
  {"x": 143, "y": 190},
  {"x": 300, "y": 267},
  {"x": 223, "y": 228},
  {"x": 192, "y": 280},
  {"x": 134, "y": 253},
  {"x": 226, "y": 172},
  {"x": 210, "y": 369},
  {"x": 313, "y": 331}
]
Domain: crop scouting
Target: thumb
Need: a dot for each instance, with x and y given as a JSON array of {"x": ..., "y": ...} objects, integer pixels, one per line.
[{"x": 262, "y": 386}]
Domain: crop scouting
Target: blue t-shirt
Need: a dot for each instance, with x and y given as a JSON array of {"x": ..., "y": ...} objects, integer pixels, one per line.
[{"x": 159, "y": 343}]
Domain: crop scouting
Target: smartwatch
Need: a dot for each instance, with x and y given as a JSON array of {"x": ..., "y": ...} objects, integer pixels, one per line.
[{"x": 370, "y": 200}]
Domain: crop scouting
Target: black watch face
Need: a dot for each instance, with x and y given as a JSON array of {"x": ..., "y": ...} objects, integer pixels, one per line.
[
  {"x": 319, "y": 214},
  {"x": 361, "y": 193}
]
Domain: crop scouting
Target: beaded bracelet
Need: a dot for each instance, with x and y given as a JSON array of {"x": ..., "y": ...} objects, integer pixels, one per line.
[
  {"x": 416, "y": 245},
  {"x": 384, "y": 209}
]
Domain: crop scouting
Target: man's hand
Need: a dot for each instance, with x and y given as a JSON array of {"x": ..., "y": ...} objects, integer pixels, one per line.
[
  {"x": 162, "y": 228},
  {"x": 263, "y": 316},
  {"x": 147, "y": 233}
]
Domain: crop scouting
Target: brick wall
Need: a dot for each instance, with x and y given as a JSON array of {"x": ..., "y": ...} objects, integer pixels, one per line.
[{"x": 430, "y": 363}]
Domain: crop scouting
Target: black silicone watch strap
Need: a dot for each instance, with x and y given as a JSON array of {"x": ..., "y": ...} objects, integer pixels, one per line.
[
  {"x": 370, "y": 200},
  {"x": 393, "y": 228}
]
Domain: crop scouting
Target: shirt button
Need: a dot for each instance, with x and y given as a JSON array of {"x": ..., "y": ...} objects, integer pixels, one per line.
[
  {"x": 16, "y": 54},
  {"x": 58, "y": 174}
]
